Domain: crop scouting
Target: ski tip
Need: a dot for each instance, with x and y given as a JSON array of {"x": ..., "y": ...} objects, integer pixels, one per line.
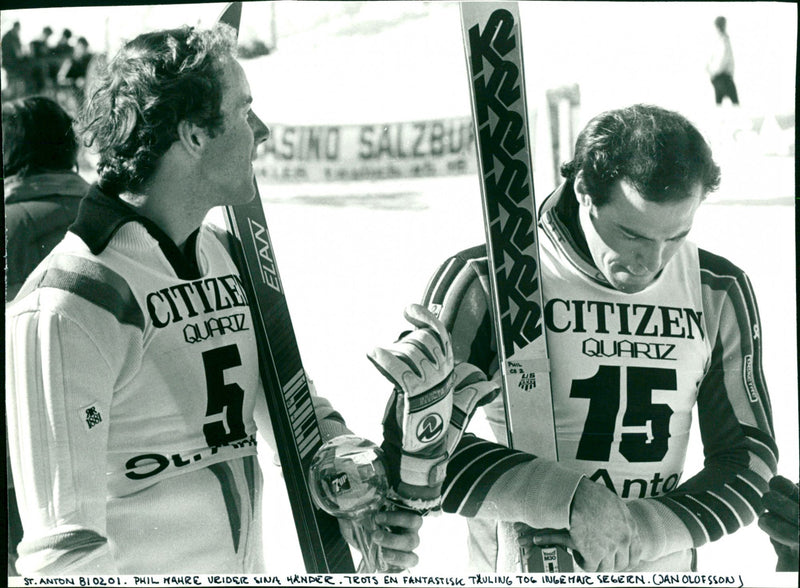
[{"x": 232, "y": 15}]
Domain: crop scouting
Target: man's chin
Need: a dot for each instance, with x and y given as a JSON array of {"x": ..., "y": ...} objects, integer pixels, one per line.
[
  {"x": 245, "y": 197},
  {"x": 629, "y": 285}
]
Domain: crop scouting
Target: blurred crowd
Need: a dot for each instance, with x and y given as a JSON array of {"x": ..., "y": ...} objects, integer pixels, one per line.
[{"x": 47, "y": 66}]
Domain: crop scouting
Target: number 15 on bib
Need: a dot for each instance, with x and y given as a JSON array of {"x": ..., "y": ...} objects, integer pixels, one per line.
[{"x": 493, "y": 45}]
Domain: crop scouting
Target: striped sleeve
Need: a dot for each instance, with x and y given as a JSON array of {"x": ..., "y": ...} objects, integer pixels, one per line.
[
  {"x": 734, "y": 413},
  {"x": 487, "y": 479},
  {"x": 473, "y": 468},
  {"x": 72, "y": 314}
]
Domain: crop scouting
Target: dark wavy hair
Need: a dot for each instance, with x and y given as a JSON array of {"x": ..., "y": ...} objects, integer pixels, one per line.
[
  {"x": 155, "y": 81},
  {"x": 37, "y": 137},
  {"x": 658, "y": 151}
]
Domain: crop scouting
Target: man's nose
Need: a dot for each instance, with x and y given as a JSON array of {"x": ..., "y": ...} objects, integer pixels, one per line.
[
  {"x": 650, "y": 256},
  {"x": 260, "y": 130}
]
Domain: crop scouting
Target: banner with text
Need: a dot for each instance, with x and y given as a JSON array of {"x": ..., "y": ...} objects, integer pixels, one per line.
[{"x": 343, "y": 153}]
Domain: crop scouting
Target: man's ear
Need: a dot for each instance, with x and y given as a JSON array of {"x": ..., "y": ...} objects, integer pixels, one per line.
[
  {"x": 192, "y": 138},
  {"x": 579, "y": 187}
]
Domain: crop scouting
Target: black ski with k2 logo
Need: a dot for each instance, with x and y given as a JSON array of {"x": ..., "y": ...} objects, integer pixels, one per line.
[{"x": 493, "y": 44}]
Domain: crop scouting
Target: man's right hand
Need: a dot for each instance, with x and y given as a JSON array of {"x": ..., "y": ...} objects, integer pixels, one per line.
[
  {"x": 602, "y": 536},
  {"x": 780, "y": 521}
]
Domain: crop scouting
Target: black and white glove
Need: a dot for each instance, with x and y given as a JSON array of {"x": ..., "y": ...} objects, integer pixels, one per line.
[{"x": 432, "y": 403}]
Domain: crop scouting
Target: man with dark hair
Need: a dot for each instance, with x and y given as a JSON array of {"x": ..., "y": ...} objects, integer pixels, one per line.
[
  {"x": 642, "y": 326},
  {"x": 135, "y": 443},
  {"x": 41, "y": 193},
  {"x": 41, "y": 186}
]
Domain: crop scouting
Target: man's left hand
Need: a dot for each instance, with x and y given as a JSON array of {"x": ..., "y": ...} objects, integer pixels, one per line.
[
  {"x": 780, "y": 521},
  {"x": 397, "y": 536}
]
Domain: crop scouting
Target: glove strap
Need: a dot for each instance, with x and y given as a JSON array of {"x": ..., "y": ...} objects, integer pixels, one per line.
[{"x": 423, "y": 471}]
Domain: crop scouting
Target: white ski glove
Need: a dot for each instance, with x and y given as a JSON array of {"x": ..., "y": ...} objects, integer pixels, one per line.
[{"x": 430, "y": 408}]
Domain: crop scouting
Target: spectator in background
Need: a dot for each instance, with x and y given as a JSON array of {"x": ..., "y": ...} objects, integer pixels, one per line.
[
  {"x": 13, "y": 62},
  {"x": 720, "y": 65},
  {"x": 11, "y": 46},
  {"x": 73, "y": 69},
  {"x": 41, "y": 187},
  {"x": 59, "y": 54},
  {"x": 63, "y": 47},
  {"x": 41, "y": 192},
  {"x": 40, "y": 45},
  {"x": 40, "y": 66}
]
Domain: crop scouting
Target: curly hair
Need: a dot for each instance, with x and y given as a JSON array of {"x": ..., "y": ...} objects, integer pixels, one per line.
[
  {"x": 658, "y": 151},
  {"x": 37, "y": 137},
  {"x": 156, "y": 81}
]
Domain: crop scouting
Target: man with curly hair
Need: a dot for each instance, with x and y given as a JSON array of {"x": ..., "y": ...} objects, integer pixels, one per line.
[
  {"x": 133, "y": 440},
  {"x": 643, "y": 328}
]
